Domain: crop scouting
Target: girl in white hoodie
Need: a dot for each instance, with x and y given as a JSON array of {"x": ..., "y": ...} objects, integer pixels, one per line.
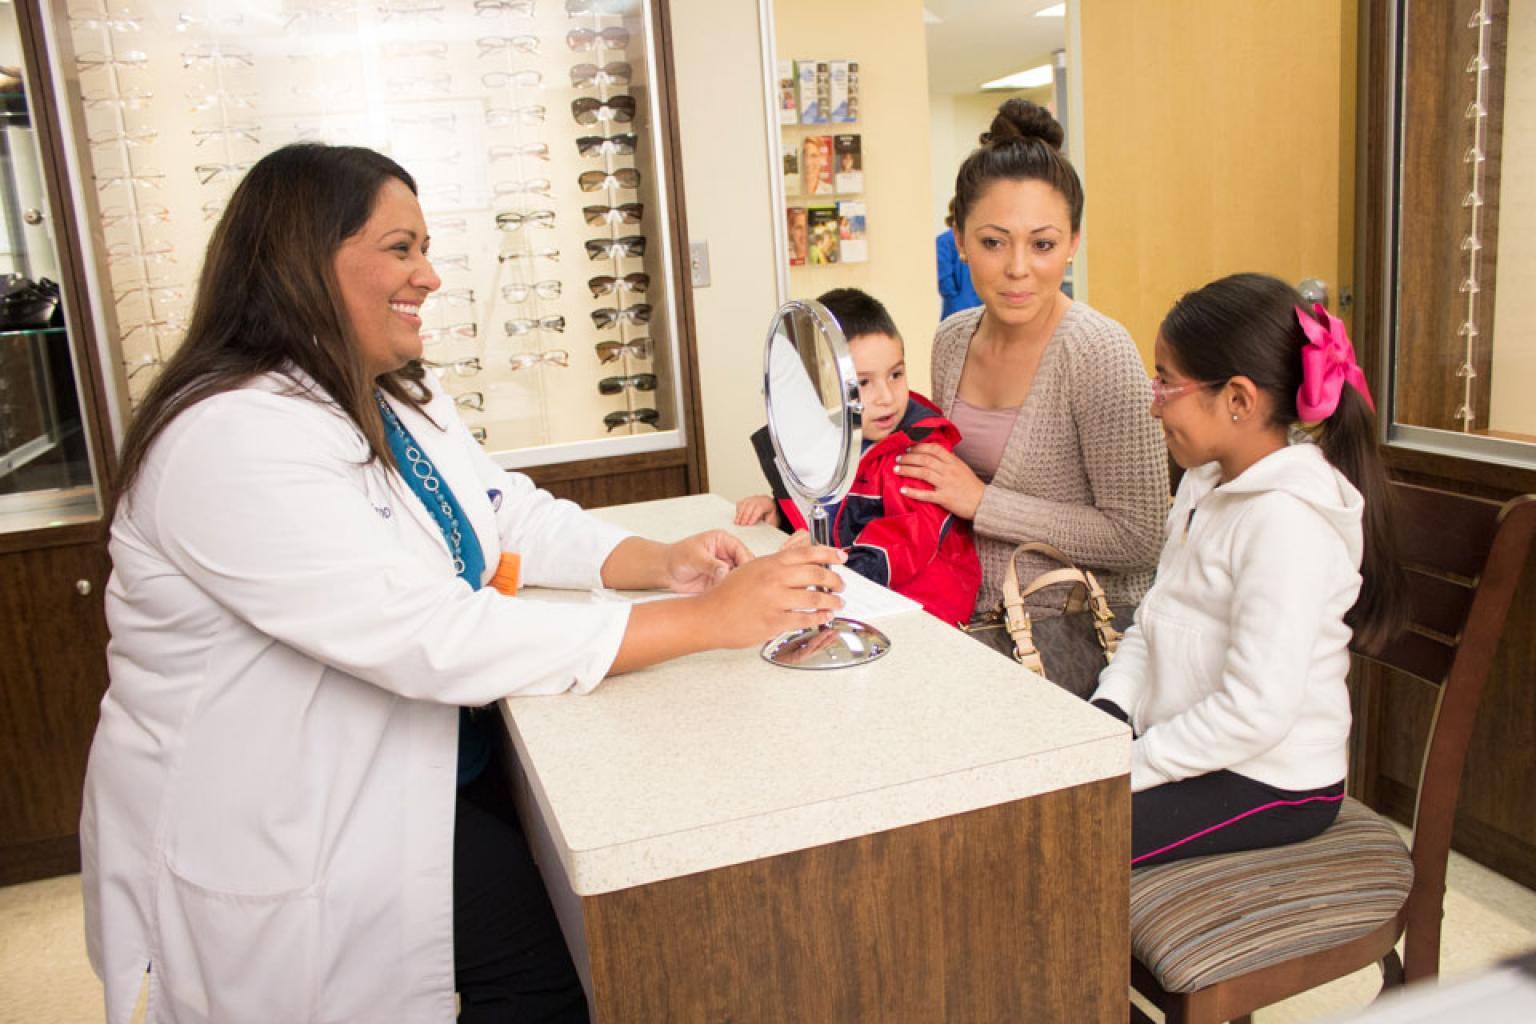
[{"x": 1279, "y": 554}]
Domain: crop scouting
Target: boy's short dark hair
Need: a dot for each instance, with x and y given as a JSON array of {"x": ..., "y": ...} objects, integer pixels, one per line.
[{"x": 858, "y": 313}]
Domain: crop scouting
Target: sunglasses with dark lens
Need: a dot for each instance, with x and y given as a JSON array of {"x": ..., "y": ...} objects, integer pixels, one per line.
[
  {"x": 605, "y": 284},
  {"x": 624, "y": 213},
  {"x": 639, "y": 313},
  {"x": 514, "y": 220},
  {"x": 590, "y": 110},
  {"x": 620, "y": 417},
  {"x": 543, "y": 323},
  {"x": 580, "y": 39},
  {"x": 596, "y": 145},
  {"x": 624, "y": 177},
  {"x": 612, "y": 351},
  {"x": 638, "y": 381},
  {"x": 617, "y": 73},
  {"x": 615, "y": 248}
]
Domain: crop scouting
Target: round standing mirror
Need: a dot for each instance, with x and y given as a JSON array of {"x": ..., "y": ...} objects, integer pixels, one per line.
[{"x": 811, "y": 392}]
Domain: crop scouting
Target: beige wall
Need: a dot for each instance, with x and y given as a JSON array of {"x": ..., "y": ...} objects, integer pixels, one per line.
[
  {"x": 956, "y": 127},
  {"x": 1214, "y": 142},
  {"x": 1514, "y": 319},
  {"x": 887, "y": 38},
  {"x": 721, "y": 120}
]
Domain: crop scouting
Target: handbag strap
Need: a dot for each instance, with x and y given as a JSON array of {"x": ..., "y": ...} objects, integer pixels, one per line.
[{"x": 1086, "y": 591}]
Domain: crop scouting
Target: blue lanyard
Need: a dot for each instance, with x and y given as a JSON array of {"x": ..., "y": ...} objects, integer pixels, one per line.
[{"x": 421, "y": 475}]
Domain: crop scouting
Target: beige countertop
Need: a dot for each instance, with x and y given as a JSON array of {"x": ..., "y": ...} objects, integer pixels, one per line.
[{"x": 721, "y": 758}]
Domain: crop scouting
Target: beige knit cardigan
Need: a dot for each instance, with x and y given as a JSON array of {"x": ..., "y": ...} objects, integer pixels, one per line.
[{"x": 1084, "y": 468}]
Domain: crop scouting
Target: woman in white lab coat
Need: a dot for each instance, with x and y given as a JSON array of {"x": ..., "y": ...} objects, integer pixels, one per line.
[{"x": 270, "y": 806}]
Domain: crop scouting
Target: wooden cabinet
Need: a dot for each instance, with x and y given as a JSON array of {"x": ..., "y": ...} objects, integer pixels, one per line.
[{"x": 54, "y": 672}]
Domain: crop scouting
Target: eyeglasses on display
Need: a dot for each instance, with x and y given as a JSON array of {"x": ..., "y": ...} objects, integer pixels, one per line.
[
  {"x": 551, "y": 254},
  {"x": 414, "y": 51},
  {"x": 515, "y": 328},
  {"x": 125, "y": 59},
  {"x": 207, "y": 174},
  {"x": 615, "y": 248},
  {"x": 530, "y": 187},
  {"x": 624, "y": 213},
  {"x": 597, "y": 145},
  {"x": 213, "y": 54},
  {"x": 494, "y": 8},
  {"x": 420, "y": 85},
  {"x": 442, "y": 121},
  {"x": 624, "y": 177},
  {"x": 513, "y": 220},
  {"x": 410, "y": 10},
  {"x": 112, "y": 216},
  {"x": 526, "y": 78},
  {"x": 619, "y": 417},
  {"x": 505, "y": 117},
  {"x": 138, "y": 181},
  {"x": 142, "y": 137},
  {"x": 464, "y": 367},
  {"x": 613, "y": 351},
  {"x": 452, "y": 297},
  {"x": 582, "y": 39},
  {"x": 640, "y": 313},
  {"x": 478, "y": 433},
  {"x": 168, "y": 325},
  {"x": 616, "y": 73},
  {"x": 223, "y": 98},
  {"x": 249, "y": 132},
  {"x": 524, "y": 44},
  {"x": 123, "y": 252},
  {"x": 549, "y": 289},
  {"x": 606, "y": 284},
  {"x": 128, "y": 99},
  {"x": 638, "y": 381},
  {"x": 577, "y": 8},
  {"x": 535, "y": 150},
  {"x": 435, "y": 334},
  {"x": 470, "y": 400},
  {"x": 449, "y": 261},
  {"x": 550, "y": 357},
  {"x": 590, "y": 110}
]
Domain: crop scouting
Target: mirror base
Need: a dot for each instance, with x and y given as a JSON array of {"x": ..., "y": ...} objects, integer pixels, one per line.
[{"x": 841, "y": 643}]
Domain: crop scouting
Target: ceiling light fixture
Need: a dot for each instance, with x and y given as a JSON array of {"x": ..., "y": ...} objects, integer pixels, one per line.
[{"x": 1033, "y": 78}]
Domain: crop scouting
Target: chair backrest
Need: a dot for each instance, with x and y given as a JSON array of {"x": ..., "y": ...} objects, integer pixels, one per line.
[{"x": 1464, "y": 558}]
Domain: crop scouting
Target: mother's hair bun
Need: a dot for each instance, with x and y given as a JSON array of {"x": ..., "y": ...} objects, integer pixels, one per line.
[{"x": 1018, "y": 120}]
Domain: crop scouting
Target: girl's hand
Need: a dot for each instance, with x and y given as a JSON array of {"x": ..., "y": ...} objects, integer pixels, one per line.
[
  {"x": 759, "y": 508},
  {"x": 774, "y": 594},
  {"x": 695, "y": 564},
  {"x": 954, "y": 486}
]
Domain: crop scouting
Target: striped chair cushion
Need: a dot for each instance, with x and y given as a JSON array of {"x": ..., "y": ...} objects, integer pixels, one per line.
[{"x": 1204, "y": 920}]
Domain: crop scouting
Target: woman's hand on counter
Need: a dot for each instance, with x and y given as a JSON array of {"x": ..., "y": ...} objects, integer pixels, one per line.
[
  {"x": 789, "y": 589},
  {"x": 695, "y": 564},
  {"x": 955, "y": 487}
]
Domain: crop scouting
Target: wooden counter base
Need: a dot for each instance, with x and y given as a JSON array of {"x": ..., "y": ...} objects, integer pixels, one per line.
[{"x": 1010, "y": 913}]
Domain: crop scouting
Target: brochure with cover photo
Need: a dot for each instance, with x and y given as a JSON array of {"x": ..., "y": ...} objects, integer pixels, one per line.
[
  {"x": 822, "y": 221},
  {"x": 853, "y": 247},
  {"x": 816, "y": 165},
  {"x": 849, "y": 155},
  {"x": 799, "y": 236}
]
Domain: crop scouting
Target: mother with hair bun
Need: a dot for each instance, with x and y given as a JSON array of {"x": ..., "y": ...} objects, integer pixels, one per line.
[{"x": 1050, "y": 395}]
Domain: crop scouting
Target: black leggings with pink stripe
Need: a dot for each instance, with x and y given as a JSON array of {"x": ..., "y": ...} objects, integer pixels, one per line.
[{"x": 1224, "y": 812}]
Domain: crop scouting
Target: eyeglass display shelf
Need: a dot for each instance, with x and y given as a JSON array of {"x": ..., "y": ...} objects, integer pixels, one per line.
[{"x": 31, "y": 332}]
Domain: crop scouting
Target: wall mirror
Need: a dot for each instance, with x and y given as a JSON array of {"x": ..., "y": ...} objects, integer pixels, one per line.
[{"x": 811, "y": 394}]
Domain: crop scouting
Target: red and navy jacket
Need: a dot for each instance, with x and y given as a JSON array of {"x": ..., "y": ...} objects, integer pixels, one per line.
[{"x": 913, "y": 547}]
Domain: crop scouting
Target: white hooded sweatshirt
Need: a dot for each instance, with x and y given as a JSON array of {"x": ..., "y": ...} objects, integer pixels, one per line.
[{"x": 1239, "y": 652}]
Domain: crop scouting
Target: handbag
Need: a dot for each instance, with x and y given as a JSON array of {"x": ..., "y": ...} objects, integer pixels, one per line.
[{"x": 1069, "y": 649}]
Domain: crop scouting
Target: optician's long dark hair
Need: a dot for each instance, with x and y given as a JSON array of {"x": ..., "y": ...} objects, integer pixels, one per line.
[
  {"x": 1246, "y": 326},
  {"x": 268, "y": 299}
]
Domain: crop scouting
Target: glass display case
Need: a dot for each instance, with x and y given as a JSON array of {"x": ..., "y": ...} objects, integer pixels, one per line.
[
  {"x": 46, "y": 471},
  {"x": 542, "y": 159},
  {"x": 1462, "y": 348}
]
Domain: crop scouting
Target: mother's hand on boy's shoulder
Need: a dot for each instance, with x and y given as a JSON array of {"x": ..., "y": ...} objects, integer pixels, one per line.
[{"x": 953, "y": 486}]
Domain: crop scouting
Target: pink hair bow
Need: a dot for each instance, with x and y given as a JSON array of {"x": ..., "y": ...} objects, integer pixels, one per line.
[{"x": 1327, "y": 364}]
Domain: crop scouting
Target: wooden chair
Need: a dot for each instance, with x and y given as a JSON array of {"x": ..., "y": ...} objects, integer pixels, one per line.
[{"x": 1215, "y": 938}]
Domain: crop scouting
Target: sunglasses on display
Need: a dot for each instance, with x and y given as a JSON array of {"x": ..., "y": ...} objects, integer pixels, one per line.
[
  {"x": 590, "y": 110},
  {"x": 616, "y": 385},
  {"x": 582, "y": 39},
  {"x": 515, "y": 328},
  {"x": 593, "y": 181},
  {"x": 549, "y": 289},
  {"x": 605, "y": 284},
  {"x": 624, "y": 213},
  {"x": 612, "y": 145},
  {"x": 620, "y": 417},
  {"x": 512, "y": 221},
  {"x": 527, "y": 78},
  {"x": 640, "y": 313},
  {"x": 615, "y": 248},
  {"x": 616, "y": 73},
  {"x": 613, "y": 351},
  {"x": 552, "y": 357}
]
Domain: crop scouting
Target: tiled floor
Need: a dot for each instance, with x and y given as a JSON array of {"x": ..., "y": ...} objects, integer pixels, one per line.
[{"x": 45, "y": 978}]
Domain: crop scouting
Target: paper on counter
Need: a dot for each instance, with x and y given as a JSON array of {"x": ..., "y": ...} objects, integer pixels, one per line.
[{"x": 862, "y": 599}]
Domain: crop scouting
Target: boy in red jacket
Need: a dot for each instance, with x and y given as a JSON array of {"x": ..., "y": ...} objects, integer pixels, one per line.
[{"x": 915, "y": 548}]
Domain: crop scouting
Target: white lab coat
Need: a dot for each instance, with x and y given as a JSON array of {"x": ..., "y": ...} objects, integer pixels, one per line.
[{"x": 269, "y": 803}]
